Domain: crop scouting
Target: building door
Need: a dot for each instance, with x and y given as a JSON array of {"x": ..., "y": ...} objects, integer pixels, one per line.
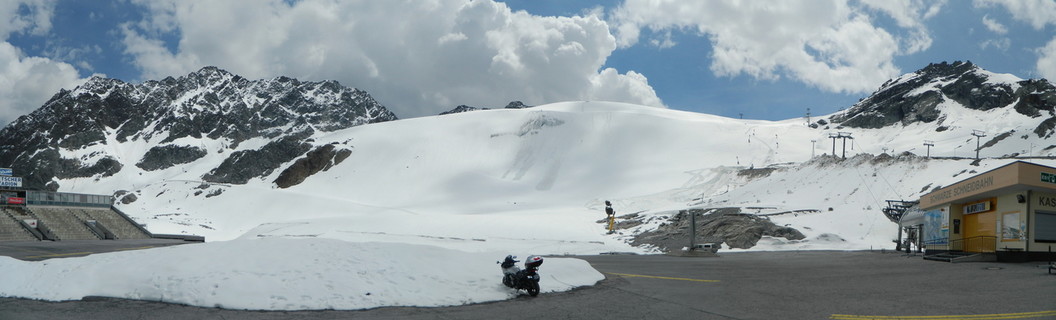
[{"x": 980, "y": 232}]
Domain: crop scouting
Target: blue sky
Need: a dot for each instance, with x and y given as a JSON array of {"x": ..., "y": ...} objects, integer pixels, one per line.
[{"x": 757, "y": 59}]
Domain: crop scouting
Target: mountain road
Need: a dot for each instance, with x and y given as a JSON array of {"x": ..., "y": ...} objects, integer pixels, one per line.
[{"x": 754, "y": 285}]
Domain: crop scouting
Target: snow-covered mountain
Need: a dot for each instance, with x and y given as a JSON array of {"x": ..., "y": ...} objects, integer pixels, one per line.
[
  {"x": 214, "y": 154},
  {"x": 239, "y": 128},
  {"x": 283, "y": 168},
  {"x": 924, "y": 96}
]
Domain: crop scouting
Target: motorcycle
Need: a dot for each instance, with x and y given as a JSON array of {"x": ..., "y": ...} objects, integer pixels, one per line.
[{"x": 527, "y": 279}]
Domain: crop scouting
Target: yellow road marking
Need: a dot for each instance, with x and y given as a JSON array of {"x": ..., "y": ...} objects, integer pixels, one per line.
[
  {"x": 1022, "y": 315},
  {"x": 658, "y": 277},
  {"x": 60, "y": 255}
]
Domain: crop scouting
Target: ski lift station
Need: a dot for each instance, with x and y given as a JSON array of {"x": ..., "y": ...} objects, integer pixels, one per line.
[{"x": 1005, "y": 214}]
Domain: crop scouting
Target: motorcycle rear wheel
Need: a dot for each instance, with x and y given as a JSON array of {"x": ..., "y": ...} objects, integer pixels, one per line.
[{"x": 533, "y": 288}]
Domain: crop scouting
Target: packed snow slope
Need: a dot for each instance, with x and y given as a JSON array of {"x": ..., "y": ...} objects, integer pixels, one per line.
[
  {"x": 536, "y": 178},
  {"x": 534, "y": 174}
]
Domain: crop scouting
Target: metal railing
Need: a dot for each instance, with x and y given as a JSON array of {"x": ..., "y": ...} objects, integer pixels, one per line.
[{"x": 975, "y": 244}]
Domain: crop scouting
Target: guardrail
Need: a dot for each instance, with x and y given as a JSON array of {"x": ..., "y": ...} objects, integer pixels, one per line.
[{"x": 975, "y": 244}]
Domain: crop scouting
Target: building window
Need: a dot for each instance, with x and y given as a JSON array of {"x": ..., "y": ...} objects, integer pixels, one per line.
[{"x": 1045, "y": 226}]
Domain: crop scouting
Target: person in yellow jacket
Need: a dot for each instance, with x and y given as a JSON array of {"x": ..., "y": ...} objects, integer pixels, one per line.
[{"x": 612, "y": 216}]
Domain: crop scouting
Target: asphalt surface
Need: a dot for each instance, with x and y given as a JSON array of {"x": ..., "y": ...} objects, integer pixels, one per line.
[
  {"x": 763, "y": 285},
  {"x": 42, "y": 250}
]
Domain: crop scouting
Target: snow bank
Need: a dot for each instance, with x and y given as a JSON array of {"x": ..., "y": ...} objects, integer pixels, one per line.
[{"x": 285, "y": 274}]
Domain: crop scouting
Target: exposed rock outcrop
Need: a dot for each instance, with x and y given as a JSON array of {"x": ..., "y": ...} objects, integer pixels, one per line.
[{"x": 721, "y": 225}]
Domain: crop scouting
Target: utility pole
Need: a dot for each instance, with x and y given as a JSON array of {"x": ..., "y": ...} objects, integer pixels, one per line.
[
  {"x": 812, "y": 141},
  {"x": 833, "y": 136},
  {"x": 844, "y": 136},
  {"x": 692, "y": 230},
  {"x": 978, "y": 134},
  {"x": 929, "y": 144}
]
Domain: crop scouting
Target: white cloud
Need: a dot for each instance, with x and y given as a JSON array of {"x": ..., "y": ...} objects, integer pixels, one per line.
[
  {"x": 1039, "y": 14},
  {"x": 1047, "y": 61},
  {"x": 664, "y": 42},
  {"x": 37, "y": 21},
  {"x": 27, "y": 82},
  {"x": 416, "y": 57},
  {"x": 909, "y": 14},
  {"x": 610, "y": 85},
  {"x": 827, "y": 44},
  {"x": 994, "y": 25},
  {"x": 1001, "y": 44}
]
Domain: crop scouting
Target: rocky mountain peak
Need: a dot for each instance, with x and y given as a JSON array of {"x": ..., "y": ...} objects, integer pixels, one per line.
[
  {"x": 464, "y": 108},
  {"x": 917, "y": 96},
  {"x": 209, "y": 104},
  {"x": 944, "y": 69}
]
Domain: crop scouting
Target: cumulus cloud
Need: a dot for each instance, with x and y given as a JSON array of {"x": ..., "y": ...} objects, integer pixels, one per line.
[
  {"x": 909, "y": 14},
  {"x": 25, "y": 16},
  {"x": 1047, "y": 61},
  {"x": 27, "y": 82},
  {"x": 1039, "y": 14},
  {"x": 416, "y": 57},
  {"x": 827, "y": 44}
]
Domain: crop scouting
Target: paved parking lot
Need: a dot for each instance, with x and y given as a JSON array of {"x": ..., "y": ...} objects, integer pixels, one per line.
[
  {"x": 42, "y": 250},
  {"x": 760, "y": 285}
]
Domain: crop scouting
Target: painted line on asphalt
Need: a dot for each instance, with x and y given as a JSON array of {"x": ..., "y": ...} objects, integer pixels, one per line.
[
  {"x": 659, "y": 277},
  {"x": 136, "y": 248},
  {"x": 59, "y": 255},
  {"x": 1022, "y": 315}
]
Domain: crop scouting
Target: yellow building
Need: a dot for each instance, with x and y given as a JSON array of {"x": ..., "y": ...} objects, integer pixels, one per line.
[{"x": 1009, "y": 212}]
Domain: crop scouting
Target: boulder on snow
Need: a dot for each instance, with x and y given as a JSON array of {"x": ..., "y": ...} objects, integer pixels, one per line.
[
  {"x": 125, "y": 196},
  {"x": 321, "y": 159}
]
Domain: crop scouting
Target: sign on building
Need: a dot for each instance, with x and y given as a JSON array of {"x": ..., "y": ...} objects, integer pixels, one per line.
[
  {"x": 6, "y": 172},
  {"x": 936, "y": 227},
  {"x": 1048, "y": 177},
  {"x": 10, "y": 181}
]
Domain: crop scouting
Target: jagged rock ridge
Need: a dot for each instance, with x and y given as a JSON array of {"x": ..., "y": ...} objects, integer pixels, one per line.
[
  {"x": 464, "y": 108},
  {"x": 173, "y": 113},
  {"x": 916, "y": 97}
]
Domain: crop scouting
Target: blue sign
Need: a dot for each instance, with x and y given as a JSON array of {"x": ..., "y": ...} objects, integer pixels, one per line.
[
  {"x": 5, "y": 172},
  {"x": 936, "y": 227},
  {"x": 11, "y": 182}
]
